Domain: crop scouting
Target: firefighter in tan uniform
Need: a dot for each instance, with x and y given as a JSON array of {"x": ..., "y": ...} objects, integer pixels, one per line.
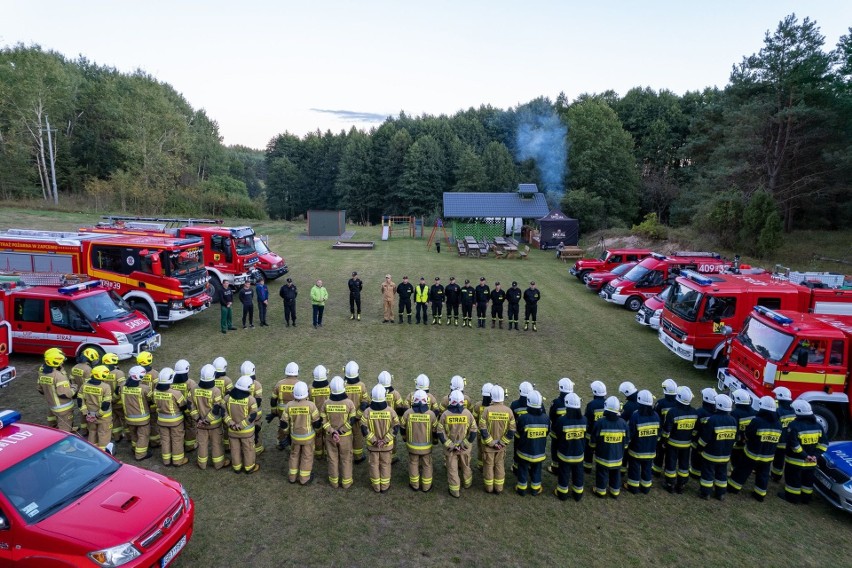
[
  {"x": 394, "y": 401},
  {"x": 115, "y": 379},
  {"x": 171, "y": 405},
  {"x": 207, "y": 412},
  {"x": 301, "y": 419},
  {"x": 185, "y": 386},
  {"x": 146, "y": 361},
  {"x": 248, "y": 369},
  {"x": 457, "y": 432},
  {"x": 57, "y": 390},
  {"x": 136, "y": 399},
  {"x": 223, "y": 382},
  {"x": 357, "y": 393},
  {"x": 388, "y": 292},
  {"x": 87, "y": 359},
  {"x": 418, "y": 425},
  {"x": 281, "y": 395},
  {"x": 497, "y": 428},
  {"x": 241, "y": 414},
  {"x": 96, "y": 405},
  {"x": 477, "y": 413},
  {"x": 379, "y": 425},
  {"x": 319, "y": 393},
  {"x": 456, "y": 383},
  {"x": 339, "y": 416},
  {"x": 422, "y": 383}
]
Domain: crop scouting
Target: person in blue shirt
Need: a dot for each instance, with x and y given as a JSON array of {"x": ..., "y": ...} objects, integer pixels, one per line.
[{"x": 262, "y": 293}]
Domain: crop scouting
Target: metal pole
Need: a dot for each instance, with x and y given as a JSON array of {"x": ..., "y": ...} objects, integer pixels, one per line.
[{"x": 52, "y": 164}]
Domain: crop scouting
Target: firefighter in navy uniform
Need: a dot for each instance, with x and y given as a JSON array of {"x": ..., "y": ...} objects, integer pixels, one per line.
[
  {"x": 404, "y": 291},
  {"x": 519, "y": 408},
  {"x": 288, "y": 294},
  {"x": 716, "y": 441},
  {"x": 513, "y": 297},
  {"x": 644, "y": 430},
  {"x": 609, "y": 440},
  {"x": 705, "y": 411},
  {"x": 483, "y": 294},
  {"x": 570, "y": 431},
  {"x": 468, "y": 298},
  {"x": 436, "y": 298},
  {"x": 784, "y": 398},
  {"x": 805, "y": 443},
  {"x": 531, "y": 445},
  {"x": 744, "y": 413},
  {"x": 761, "y": 441},
  {"x": 421, "y": 301},
  {"x": 498, "y": 297},
  {"x": 531, "y": 297},
  {"x": 418, "y": 426},
  {"x": 453, "y": 294},
  {"x": 355, "y": 286},
  {"x": 457, "y": 432},
  {"x": 662, "y": 409},
  {"x": 680, "y": 421},
  {"x": 557, "y": 409},
  {"x": 594, "y": 412},
  {"x": 57, "y": 390}
]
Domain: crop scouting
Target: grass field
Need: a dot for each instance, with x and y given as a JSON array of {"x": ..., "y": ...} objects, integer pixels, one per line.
[{"x": 261, "y": 520}]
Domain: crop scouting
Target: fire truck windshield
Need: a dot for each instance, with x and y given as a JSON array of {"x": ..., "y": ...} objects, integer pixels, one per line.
[
  {"x": 684, "y": 301},
  {"x": 764, "y": 340},
  {"x": 636, "y": 273},
  {"x": 603, "y": 255},
  {"x": 245, "y": 245},
  {"x": 261, "y": 246},
  {"x": 101, "y": 307},
  {"x": 184, "y": 261}
]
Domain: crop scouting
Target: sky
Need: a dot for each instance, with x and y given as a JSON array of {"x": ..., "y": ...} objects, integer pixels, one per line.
[{"x": 263, "y": 67}]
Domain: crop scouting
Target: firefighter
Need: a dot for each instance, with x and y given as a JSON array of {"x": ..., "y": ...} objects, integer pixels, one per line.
[
  {"x": 421, "y": 299},
  {"x": 288, "y": 294},
  {"x": 388, "y": 291},
  {"x": 497, "y": 429},
  {"x": 519, "y": 408},
  {"x": 716, "y": 441},
  {"x": 146, "y": 361},
  {"x": 594, "y": 412},
  {"x": 57, "y": 390},
  {"x": 457, "y": 432},
  {"x": 482, "y": 295},
  {"x": 705, "y": 411},
  {"x": 477, "y": 413},
  {"x": 339, "y": 416},
  {"x": 805, "y": 443},
  {"x": 644, "y": 430},
  {"x": 394, "y": 401},
  {"x": 744, "y": 413},
  {"x": 379, "y": 427},
  {"x": 355, "y": 286},
  {"x": 282, "y": 394},
  {"x": 513, "y": 297},
  {"x": 171, "y": 405},
  {"x": 557, "y": 410},
  {"x": 468, "y": 298},
  {"x": 262, "y": 300},
  {"x": 115, "y": 379},
  {"x": 240, "y": 415},
  {"x": 422, "y": 383},
  {"x": 185, "y": 385},
  {"x": 762, "y": 436},
  {"x": 570, "y": 430},
  {"x": 96, "y": 405},
  {"x": 86, "y": 360},
  {"x": 531, "y": 445},
  {"x": 224, "y": 383},
  {"x": 246, "y": 295},
  {"x": 680, "y": 421},
  {"x": 207, "y": 412},
  {"x": 418, "y": 425},
  {"x": 436, "y": 297},
  {"x": 226, "y": 300},
  {"x": 136, "y": 399},
  {"x": 404, "y": 291},
  {"x": 609, "y": 440},
  {"x": 301, "y": 419},
  {"x": 319, "y": 393},
  {"x": 630, "y": 404},
  {"x": 662, "y": 408},
  {"x": 531, "y": 297},
  {"x": 498, "y": 297},
  {"x": 457, "y": 383},
  {"x": 453, "y": 294},
  {"x": 248, "y": 369},
  {"x": 784, "y": 399},
  {"x": 357, "y": 393}
]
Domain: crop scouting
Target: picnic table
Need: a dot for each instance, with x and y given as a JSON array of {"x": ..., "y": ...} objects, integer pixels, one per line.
[{"x": 511, "y": 251}]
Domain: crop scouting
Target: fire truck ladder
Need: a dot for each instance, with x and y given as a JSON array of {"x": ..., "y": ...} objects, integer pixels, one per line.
[
  {"x": 147, "y": 222},
  {"x": 439, "y": 223}
]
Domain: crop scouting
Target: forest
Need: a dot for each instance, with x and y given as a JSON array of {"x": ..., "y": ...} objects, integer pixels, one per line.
[{"x": 770, "y": 152}]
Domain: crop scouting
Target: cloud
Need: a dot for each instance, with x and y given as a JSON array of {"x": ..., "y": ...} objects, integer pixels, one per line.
[{"x": 355, "y": 115}]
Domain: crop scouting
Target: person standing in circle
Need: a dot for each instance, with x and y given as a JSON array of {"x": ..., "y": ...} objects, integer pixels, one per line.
[
  {"x": 355, "y": 287},
  {"x": 319, "y": 296}
]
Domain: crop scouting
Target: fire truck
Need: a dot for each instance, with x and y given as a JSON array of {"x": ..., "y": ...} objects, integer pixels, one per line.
[
  {"x": 649, "y": 277},
  {"x": 703, "y": 310},
  {"x": 7, "y": 372},
  {"x": 162, "y": 277},
  {"x": 609, "y": 259},
  {"x": 807, "y": 353},
  {"x": 651, "y": 312}
]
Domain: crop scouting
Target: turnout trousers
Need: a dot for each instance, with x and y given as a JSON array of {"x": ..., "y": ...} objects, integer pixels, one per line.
[
  {"x": 210, "y": 447},
  {"x": 494, "y": 470},
  {"x": 339, "y": 461},
  {"x": 301, "y": 461},
  {"x": 380, "y": 470}
]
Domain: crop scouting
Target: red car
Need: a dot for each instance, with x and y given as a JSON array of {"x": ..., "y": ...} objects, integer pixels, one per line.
[
  {"x": 597, "y": 280},
  {"x": 63, "y": 502}
]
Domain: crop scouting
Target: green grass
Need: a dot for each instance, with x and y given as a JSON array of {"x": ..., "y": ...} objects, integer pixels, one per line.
[{"x": 264, "y": 521}]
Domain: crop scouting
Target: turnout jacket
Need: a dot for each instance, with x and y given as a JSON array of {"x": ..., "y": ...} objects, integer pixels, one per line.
[
  {"x": 744, "y": 415},
  {"x": 418, "y": 424},
  {"x": 531, "y": 444},
  {"x": 206, "y": 399},
  {"x": 301, "y": 418},
  {"x": 457, "y": 428},
  {"x": 664, "y": 405},
  {"x": 644, "y": 430},
  {"x": 282, "y": 394},
  {"x": 717, "y": 437},
  {"x": 80, "y": 373},
  {"x": 170, "y": 406},
  {"x": 357, "y": 393},
  {"x": 96, "y": 399},
  {"x": 379, "y": 422},
  {"x": 319, "y": 392},
  {"x": 762, "y": 436},
  {"x": 136, "y": 397},
  {"x": 445, "y": 403},
  {"x": 496, "y": 425},
  {"x": 570, "y": 429},
  {"x": 805, "y": 438},
  {"x": 241, "y": 413},
  {"x": 785, "y": 415},
  {"x": 433, "y": 401},
  {"x": 609, "y": 440},
  {"x": 594, "y": 412},
  {"x": 629, "y": 406},
  {"x": 338, "y": 414},
  {"x": 680, "y": 422},
  {"x": 56, "y": 389},
  {"x": 223, "y": 382}
]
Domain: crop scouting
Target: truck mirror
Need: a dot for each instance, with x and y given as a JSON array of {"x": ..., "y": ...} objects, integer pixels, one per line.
[
  {"x": 802, "y": 358},
  {"x": 4, "y": 522}
]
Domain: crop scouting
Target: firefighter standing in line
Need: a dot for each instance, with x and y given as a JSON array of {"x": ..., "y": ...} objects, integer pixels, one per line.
[
  {"x": 394, "y": 401},
  {"x": 171, "y": 405},
  {"x": 379, "y": 426},
  {"x": 531, "y": 297},
  {"x": 388, "y": 290},
  {"x": 418, "y": 425},
  {"x": 705, "y": 411},
  {"x": 631, "y": 403},
  {"x": 185, "y": 385},
  {"x": 453, "y": 294},
  {"x": 805, "y": 443},
  {"x": 762, "y": 436},
  {"x": 136, "y": 398},
  {"x": 744, "y": 413},
  {"x": 319, "y": 393},
  {"x": 483, "y": 294},
  {"x": 610, "y": 439},
  {"x": 594, "y": 412},
  {"x": 146, "y": 361},
  {"x": 357, "y": 393},
  {"x": 644, "y": 430},
  {"x": 497, "y": 429},
  {"x": 86, "y": 360},
  {"x": 457, "y": 432},
  {"x": 226, "y": 299},
  {"x": 662, "y": 409},
  {"x": 301, "y": 419},
  {"x": 57, "y": 390},
  {"x": 531, "y": 445},
  {"x": 96, "y": 406},
  {"x": 519, "y": 408},
  {"x": 240, "y": 415},
  {"x": 436, "y": 297},
  {"x": 248, "y": 369},
  {"x": 498, "y": 296},
  {"x": 421, "y": 300},
  {"x": 246, "y": 295},
  {"x": 339, "y": 416},
  {"x": 677, "y": 431},
  {"x": 404, "y": 291},
  {"x": 207, "y": 412},
  {"x": 262, "y": 300},
  {"x": 457, "y": 382},
  {"x": 422, "y": 383},
  {"x": 115, "y": 379},
  {"x": 513, "y": 297},
  {"x": 355, "y": 286},
  {"x": 224, "y": 383},
  {"x": 282, "y": 394},
  {"x": 784, "y": 398},
  {"x": 570, "y": 444},
  {"x": 717, "y": 440},
  {"x": 557, "y": 409},
  {"x": 477, "y": 413},
  {"x": 468, "y": 297},
  {"x": 288, "y": 294}
]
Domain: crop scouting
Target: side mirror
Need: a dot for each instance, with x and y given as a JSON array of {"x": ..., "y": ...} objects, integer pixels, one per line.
[
  {"x": 802, "y": 358},
  {"x": 4, "y": 522}
]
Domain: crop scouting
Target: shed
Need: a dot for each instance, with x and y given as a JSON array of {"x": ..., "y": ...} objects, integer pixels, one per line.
[
  {"x": 322, "y": 223},
  {"x": 485, "y": 214},
  {"x": 557, "y": 227}
]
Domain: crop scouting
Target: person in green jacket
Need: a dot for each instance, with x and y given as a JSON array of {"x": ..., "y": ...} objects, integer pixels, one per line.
[{"x": 319, "y": 295}]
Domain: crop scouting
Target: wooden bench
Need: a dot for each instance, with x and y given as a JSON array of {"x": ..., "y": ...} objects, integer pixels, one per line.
[
  {"x": 462, "y": 248},
  {"x": 570, "y": 253},
  {"x": 524, "y": 254}
]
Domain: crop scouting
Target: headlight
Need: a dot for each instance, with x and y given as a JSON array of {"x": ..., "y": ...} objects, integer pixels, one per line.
[
  {"x": 617, "y": 291},
  {"x": 115, "y": 556},
  {"x": 177, "y": 305},
  {"x": 185, "y": 496},
  {"x": 658, "y": 313},
  {"x": 848, "y": 486},
  {"x": 119, "y": 337}
]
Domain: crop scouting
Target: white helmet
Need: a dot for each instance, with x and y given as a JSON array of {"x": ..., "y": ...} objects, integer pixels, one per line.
[
  {"x": 612, "y": 404},
  {"x": 598, "y": 388},
  {"x": 182, "y": 366},
  {"x": 457, "y": 383},
  {"x": 497, "y": 394},
  {"x": 572, "y": 400},
  {"x": 247, "y": 368},
  {"x": 723, "y": 402},
  {"x": 385, "y": 379},
  {"x": 351, "y": 370},
  {"x": 291, "y": 370},
  {"x": 645, "y": 398},
  {"x": 566, "y": 385},
  {"x": 627, "y": 388},
  {"x": 136, "y": 372},
  {"x": 244, "y": 383},
  {"x": 167, "y": 376},
  {"x": 207, "y": 373},
  {"x": 783, "y": 393},
  {"x": 456, "y": 398},
  {"x": 669, "y": 386},
  {"x": 337, "y": 385},
  {"x": 525, "y": 388},
  {"x": 220, "y": 364},
  {"x": 708, "y": 395},
  {"x": 768, "y": 403},
  {"x": 421, "y": 382},
  {"x": 379, "y": 393},
  {"x": 419, "y": 396},
  {"x": 300, "y": 390},
  {"x": 684, "y": 394},
  {"x": 486, "y": 389},
  {"x": 741, "y": 397},
  {"x": 534, "y": 399},
  {"x": 320, "y": 373},
  {"x": 800, "y": 407}
]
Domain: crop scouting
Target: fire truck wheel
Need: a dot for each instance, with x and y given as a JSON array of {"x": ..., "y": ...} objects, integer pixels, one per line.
[
  {"x": 827, "y": 420},
  {"x": 217, "y": 287},
  {"x": 145, "y": 310},
  {"x": 633, "y": 303}
]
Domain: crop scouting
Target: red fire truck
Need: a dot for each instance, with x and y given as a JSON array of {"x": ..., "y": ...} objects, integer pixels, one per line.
[
  {"x": 807, "y": 353},
  {"x": 649, "y": 277},
  {"x": 608, "y": 260},
  {"x": 703, "y": 309},
  {"x": 162, "y": 277},
  {"x": 7, "y": 372}
]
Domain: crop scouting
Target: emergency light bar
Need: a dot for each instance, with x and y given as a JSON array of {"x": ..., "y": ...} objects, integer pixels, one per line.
[
  {"x": 698, "y": 254},
  {"x": 774, "y": 316},
  {"x": 658, "y": 256},
  {"x": 9, "y": 417},
  {"x": 696, "y": 277},
  {"x": 79, "y": 287}
]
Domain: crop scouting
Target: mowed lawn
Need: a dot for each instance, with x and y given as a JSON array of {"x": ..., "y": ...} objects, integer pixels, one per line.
[{"x": 261, "y": 520}]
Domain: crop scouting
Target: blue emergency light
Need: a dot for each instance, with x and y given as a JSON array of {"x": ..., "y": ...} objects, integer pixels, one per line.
[
  {"x": 696, "y": 277},
  {"x": 658, "y": 256},
  {"x": 774, "y": 316},
  {"x": 79, "y": 287},
  {"x": 9, "y": 417}
]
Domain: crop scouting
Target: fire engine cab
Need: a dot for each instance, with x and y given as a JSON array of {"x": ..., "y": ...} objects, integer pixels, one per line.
[
  {"x": 7, "y": 372},
  {"x": 608, "y": 260}
]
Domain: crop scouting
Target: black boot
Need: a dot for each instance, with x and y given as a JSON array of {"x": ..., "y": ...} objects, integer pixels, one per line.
[
  {"x": 409, "y": 318},
  {"x": 400, "y": 318}
]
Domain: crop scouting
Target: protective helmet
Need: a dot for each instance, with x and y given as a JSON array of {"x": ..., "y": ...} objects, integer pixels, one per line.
[
  {"x": 320, "y": 373},
  {"x": 802, "y": 407},
  {"x": 291, "y": 370},
  {"x": 419, "y": 396},
  {"x": 525, "y": 388},
  {"x": 457, "y": 383},
  {"x": 137, "y": 372},
  {"x": 627, "y": 388},
  {"x": 684, "y": 394},
  {"x": 456, "y": 398},
  {"x": 486, "y": 389},
  {"x": 497, "y": 394},
  {"x": 723, "y": 403},
  {"x": 54, "y": 357},
  {"x": 566, "y": 385},
  {"x": 182, "y": 366},
  {"x": 768, "y": 403},
  {"x": 208, "y": 372},
  {"x": 783, "y": 393},
  {"x": 300, "y": 390},
  {"x": 669, "y": 386},
  {"x": 612, "y": 404},
  {"x": 166, "y": 377},
  {"x": 708, "y": 395},
  {"x": 91, "y": 354},
  {"x": 572, "y": 400},
  {"x": 385, "y": 379},
  {"x": 534, "y": 399},
  {"x": 247, "y": 368},
  {"x": 379, "y": 393},
  {"x": 645, "y": 398},
  {"x": 421, "y": 382},
  {"x": 109, "y": 359},
  {"x": 101, "y": 373},
  {"x": 220, "y": 364},
  {"x": 337, "y": 385},
  {"x": 244, "y": 383},
  {"x": 741, "y": 397},
  {"x": 144, "y": 358},
  {"x": 351, "y": 370},
  {"x": 598, "y": 388}
]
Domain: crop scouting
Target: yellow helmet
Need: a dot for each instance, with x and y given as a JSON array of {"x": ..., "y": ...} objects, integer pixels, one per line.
[
  {"x": 54, "y": 357},
  {"x": 91, "y": 354},
  {"x": 144, "y": 358},
  {"x": 100, "y": 373},
  {"x": 110, "y": 359}
]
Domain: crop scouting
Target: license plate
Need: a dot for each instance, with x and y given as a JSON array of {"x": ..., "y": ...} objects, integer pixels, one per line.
[
  {"x": 667, "y": 340},
  {"x": 170, "y": 555}
]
